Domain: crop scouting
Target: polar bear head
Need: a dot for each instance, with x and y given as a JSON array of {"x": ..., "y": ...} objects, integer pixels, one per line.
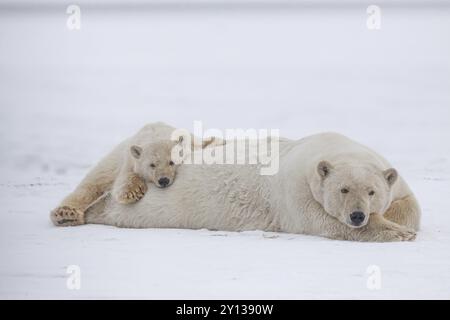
[
  {"x": 153, "y": 162},
  {"x": 351, "y": 193}
]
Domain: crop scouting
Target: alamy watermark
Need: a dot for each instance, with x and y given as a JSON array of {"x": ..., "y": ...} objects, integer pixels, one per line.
[
  {"x": 74, "y": 19},
  {"x": 374, "y": 277},
  {"x": 233, "y": 146},
  {"x": 373, "y": 21},
  {"x": 74, "y": 279}
]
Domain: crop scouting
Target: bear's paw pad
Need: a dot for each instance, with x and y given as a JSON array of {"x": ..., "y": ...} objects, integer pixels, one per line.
[
  {"x": 132, "y": 193},
  {"x": 66, "y": 216}
]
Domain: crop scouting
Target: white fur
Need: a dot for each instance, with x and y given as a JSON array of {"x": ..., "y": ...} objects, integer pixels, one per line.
[
  {"x": 144, "y": 165},
  {"x": 236, "y": 197},
  {"x": 105, "y": 174}
]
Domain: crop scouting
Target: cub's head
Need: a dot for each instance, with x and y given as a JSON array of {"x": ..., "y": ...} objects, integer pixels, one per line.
[
  {"x": 153, "y": 162},
  {"x": 351, "y": 193}
]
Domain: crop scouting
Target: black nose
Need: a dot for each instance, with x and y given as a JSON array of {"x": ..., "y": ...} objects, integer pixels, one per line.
[
  {"x": 163, "y": 182},
  {"x": 357, "y": 217}
]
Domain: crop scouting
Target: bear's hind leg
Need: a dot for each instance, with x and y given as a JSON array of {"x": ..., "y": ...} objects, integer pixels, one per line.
[
  {"x": 405, "y": 212},
  {"x": 67, "y": 216},
  {"x": 96, "y": 212},
  {"x": 71, "y": 211}
]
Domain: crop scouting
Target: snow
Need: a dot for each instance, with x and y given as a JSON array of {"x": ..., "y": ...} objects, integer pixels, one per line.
[{"x": 67, "y": 97}]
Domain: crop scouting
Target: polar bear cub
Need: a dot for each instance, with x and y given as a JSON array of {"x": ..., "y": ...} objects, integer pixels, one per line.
[{"x": 143, "y": 165}]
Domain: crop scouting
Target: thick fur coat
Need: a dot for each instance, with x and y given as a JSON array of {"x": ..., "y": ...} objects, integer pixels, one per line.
[{"x": 304, "y": 197}]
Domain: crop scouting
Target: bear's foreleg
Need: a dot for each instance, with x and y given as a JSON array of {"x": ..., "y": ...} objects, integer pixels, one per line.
[
  {"x": 378, "y": 229},
  {"x": 71, "y": 210},
  {"x": 129, "y": 188}
]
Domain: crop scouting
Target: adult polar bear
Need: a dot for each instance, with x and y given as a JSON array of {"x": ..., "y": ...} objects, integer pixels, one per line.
[{"x": 327, "y": 185}]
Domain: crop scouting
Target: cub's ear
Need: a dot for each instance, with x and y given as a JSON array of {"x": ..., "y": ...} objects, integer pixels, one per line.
[
  {"x": 390, "y": 175},
  {"x": 136, "y": 151},
  {"x": 324, "y": 168}
]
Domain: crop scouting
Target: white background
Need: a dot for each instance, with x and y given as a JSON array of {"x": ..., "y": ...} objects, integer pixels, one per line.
[{"x": 67, "y": 97}]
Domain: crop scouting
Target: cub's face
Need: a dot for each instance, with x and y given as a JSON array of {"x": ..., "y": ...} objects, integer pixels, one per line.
[
  {"x": 154, "y": 164},
  {"x": 351, "y": 194}
]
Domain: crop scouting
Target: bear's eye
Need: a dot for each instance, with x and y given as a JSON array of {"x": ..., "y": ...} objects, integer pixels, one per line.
[
  {"x": 171, "y": 163},
  {"x": 152, "y": 165},
  {"x": 371, "y": 193},
  {"x": 344, "y": 190}
]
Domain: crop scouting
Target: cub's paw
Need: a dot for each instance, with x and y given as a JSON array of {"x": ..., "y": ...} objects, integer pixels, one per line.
[
  {"x": 132, "y": 192},
  {"x": 66, "y": 216}
]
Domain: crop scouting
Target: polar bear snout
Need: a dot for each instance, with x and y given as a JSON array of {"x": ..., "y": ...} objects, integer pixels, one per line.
[
  {"x": 163, "y": 182},
  {"x": 357, "y": 218}
]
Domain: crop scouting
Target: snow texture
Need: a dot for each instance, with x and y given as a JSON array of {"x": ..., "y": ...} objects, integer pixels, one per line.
[{"x": 67, "y": 97}]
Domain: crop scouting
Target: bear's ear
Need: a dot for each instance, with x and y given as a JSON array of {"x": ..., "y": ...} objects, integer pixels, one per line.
[
  {"x": 136, "y": 151},
  {"x": 390, "y": 175},
  {"x": 324, "y": 168}
]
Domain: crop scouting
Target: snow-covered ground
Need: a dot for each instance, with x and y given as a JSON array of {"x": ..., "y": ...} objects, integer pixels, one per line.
[{"x": 67, "y": 97}]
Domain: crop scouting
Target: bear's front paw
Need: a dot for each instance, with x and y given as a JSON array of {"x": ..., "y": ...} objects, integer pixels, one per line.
[
  {"x": 66, "y": 216},
  {"x": 132, "y": 192},
  {"x": 396, "y": 233}
]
